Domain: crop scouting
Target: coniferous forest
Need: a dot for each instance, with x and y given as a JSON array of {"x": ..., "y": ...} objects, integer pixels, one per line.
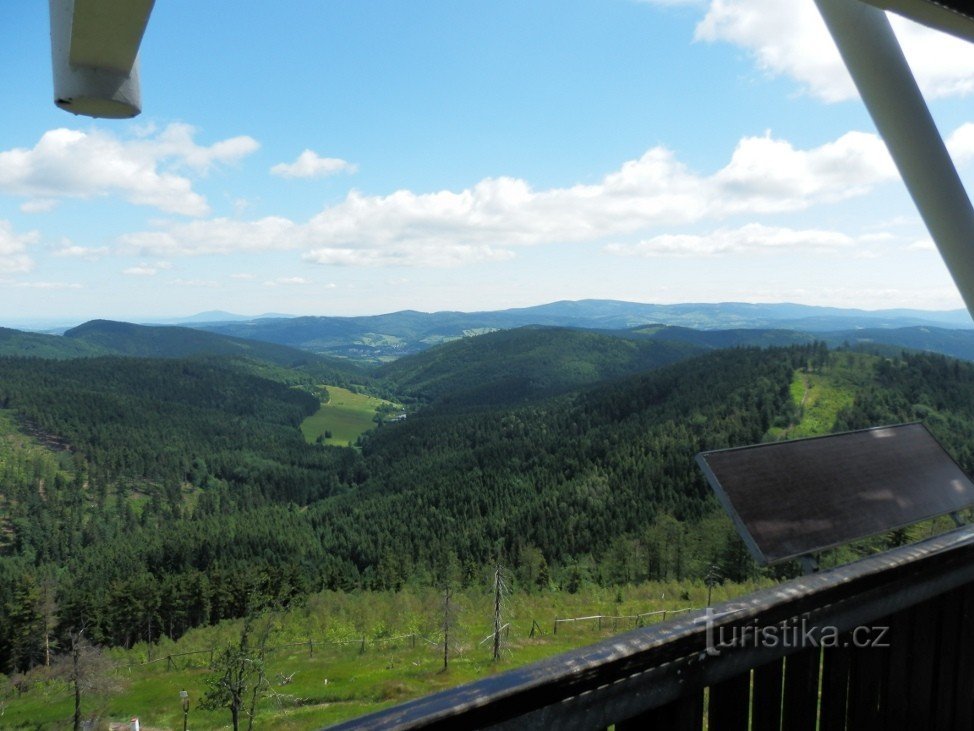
[{"x": 141, "y": 497}]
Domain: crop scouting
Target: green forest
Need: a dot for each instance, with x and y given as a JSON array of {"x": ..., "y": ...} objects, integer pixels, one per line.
[{"x": 142, "y": 497}]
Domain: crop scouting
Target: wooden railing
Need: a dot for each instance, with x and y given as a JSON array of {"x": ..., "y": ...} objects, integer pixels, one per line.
[{"x": 885, "y": 642}]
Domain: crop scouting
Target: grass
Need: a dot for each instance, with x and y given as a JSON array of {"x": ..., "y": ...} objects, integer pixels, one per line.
[
  {"x": 339, "y": 681},
  {"x": 821, "y": 395},
  {"x": 347, "y": 415}
]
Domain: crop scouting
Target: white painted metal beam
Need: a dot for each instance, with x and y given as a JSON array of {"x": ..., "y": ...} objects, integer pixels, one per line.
[
  {"x": 94, "y": 52},
  {"x": 887, "y": 86},
  {"x": 106, "y": 34}
]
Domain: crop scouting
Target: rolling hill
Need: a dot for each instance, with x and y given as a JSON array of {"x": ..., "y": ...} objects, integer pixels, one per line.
[
  {"x": 514, "y": 366},
  {"x": 167, "y": 341},
  {"x": 28, "y": 344}
]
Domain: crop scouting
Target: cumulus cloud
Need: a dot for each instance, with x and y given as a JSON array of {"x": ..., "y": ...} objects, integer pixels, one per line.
[
  {"x": 310, "y": 165},
  {"x": 13, "y": 249},
  {"x": 487, "y": 221},
  {"x": 176, "y": 142},
  {"x": 790, "y": 39},
  {"x": 960, "y": 143},
  {"x": 69, "y": 163},
  {"x": 753, "y": 238}
]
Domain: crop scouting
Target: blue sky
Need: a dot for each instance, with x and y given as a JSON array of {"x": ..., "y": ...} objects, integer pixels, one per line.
[{"x": 348, "y": 157}]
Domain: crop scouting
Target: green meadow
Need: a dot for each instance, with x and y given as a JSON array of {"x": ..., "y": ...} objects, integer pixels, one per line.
[
  {"x": 346, "y": 415},
  {"x": 336, "y": 676},
  {"x": 819, "y": 396}
]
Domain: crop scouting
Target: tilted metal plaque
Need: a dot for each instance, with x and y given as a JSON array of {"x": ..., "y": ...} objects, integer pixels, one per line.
[{"x": 795, "y": 498}]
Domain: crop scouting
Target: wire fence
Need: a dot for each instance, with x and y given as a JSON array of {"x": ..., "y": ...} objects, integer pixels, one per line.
[{"x": 595, "y": 622}]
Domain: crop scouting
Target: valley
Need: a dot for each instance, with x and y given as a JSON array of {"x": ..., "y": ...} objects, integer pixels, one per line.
[{"x": 187, "y": 482}]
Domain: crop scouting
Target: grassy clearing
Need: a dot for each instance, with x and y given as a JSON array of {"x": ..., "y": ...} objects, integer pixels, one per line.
[
  {"x": 347, "y": 415},
  {"x": 820, "y": 395},
  {"x": 339, "y": 680}
]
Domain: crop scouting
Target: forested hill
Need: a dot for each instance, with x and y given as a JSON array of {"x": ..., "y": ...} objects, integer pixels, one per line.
[
  {"x": 169, "y": 341},
  {"x": 173, "y": 490},
  {"x": 38, "y": 345},
  {"x": 514, "y": 366}
]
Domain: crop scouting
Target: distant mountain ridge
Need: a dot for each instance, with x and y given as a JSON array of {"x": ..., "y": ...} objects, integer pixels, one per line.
[{"x": 382, "y": 338}]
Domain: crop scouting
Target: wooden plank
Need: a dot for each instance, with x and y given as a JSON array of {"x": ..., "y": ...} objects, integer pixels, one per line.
[
  {"x": 964, "y": 685},
  {"x": 836, "y": 666},
  {"x": 865, "y": 681},
  {"x": 766, "y": 706},
  {"x": 898, "y": 666},
  {"x": 730, "y": 704},
  {"x": 922, "y": 649},
  {"x": 948, "y": 657},
  {"x": 683, "y": 714},
  {"x": 801, "y": 690}
]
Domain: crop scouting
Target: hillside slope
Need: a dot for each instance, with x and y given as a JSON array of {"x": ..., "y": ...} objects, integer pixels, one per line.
[
  {"x": 169, "y": 341},
  {"x": 513, "y": 366},
  {"x": 38, "y": 345}
]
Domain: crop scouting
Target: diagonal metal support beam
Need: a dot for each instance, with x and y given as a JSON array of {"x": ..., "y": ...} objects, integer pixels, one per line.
[{"x": 886, "y": 84}]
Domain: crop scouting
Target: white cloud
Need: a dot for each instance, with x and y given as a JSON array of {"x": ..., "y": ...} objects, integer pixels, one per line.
[
  {"x": 766, "y": 175},
  {"x": 82, "y": 252},
  {"x": 74, "y": 164},
  {"x": 205, "y": 283},
  {"x": 749, "y": 239},
  {"x": 215, "y": 236},
  {"x": 176, "y": 142},
  {"x": 960, "y": 143},
  {"x": 288, "y": 282},
  {"x": 486, "y": 221},
  {"x": 13, "y": 249},
  {"x": 243, "y": 276},
  {"x": 790, "y": 39},
  {"x": 48, "y": 285},
  {"x": 922, "y": 245},
  {"x": 310, "y": 165},
  {"x": 147, "y": 270},
  {"x": 38, "y": 205}
]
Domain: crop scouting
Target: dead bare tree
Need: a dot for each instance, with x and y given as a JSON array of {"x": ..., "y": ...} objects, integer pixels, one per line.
[{"x": 87, "y": 669}]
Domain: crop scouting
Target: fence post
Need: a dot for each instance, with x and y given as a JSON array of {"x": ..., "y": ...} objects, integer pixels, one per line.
[
  {"x": 362, "y": 648},
  {"x": 170, "y": 665},
  {"x": 311, "y": 647}
]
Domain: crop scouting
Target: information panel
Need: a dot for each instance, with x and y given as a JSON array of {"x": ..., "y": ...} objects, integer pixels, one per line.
[{"x": 795, "y": 498}]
